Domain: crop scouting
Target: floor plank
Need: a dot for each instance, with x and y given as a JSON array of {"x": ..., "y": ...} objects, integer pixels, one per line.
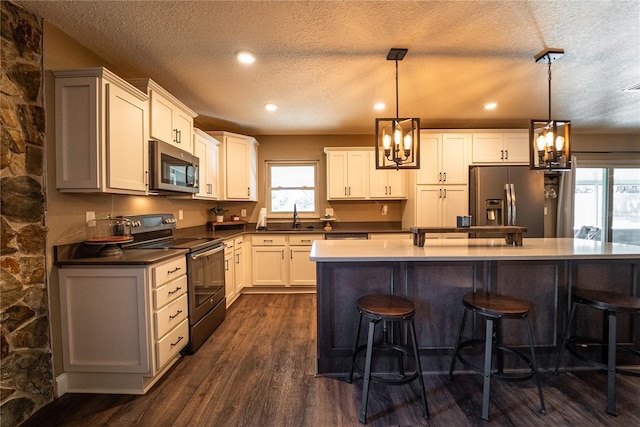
[{"x": 258, "y": 369}]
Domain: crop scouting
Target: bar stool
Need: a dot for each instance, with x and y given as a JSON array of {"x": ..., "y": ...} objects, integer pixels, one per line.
[
  {"x": 494, "y": 308},
  {"x": 393, "y": 310},
  {"x": 612, "y": 304}
]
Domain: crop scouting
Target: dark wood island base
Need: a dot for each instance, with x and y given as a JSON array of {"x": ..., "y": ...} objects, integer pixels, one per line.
[{"x": 435, "y": 279}]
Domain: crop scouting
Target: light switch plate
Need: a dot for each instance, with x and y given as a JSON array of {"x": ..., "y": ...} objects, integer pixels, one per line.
[
  {"x": 180, "y": 214},
  {"x": 243, "y": 213},
  {"x": 328, "y": 211}
]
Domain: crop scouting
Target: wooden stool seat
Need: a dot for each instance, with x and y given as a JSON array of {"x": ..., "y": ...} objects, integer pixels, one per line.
[
  {"x": 611, "y": 304},
  {"x": 392, "y": 311},
  {"x": 495, "y": 305},
  {"x": 494, "y": 308},
  {"x": 386, "y": 306},
  {"x": 610, "y": 301}
]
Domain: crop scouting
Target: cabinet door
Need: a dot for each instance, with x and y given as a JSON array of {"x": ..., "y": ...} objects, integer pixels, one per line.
[
  {"x": 454, "y": 202},
  {"x": 397, "y": 184},
  {"x": 229, "y": 277},
  {"x": 517, "y": 146},
  {"x": 302, "y": 271},
  {"x": 429, "y": 172},
  {"x": 358, "y": 174},
  {"x": 162, "y": 118},
  {"x": 238, "y": 158},
  {"x": 454, "y": 164},
  {"x": 238, "y": 254},
  {"x": 488, "y": 148},
  {"x": 183, "y": 128},
  {"x": 428, "y": 205},
  {"x": 127, "y": 153},
  {"x": 337, "y": 175},
  {"x": 105, "y": 321},
  {"x": 268, "y": 266},
  {"x": 207, "y": 152}
]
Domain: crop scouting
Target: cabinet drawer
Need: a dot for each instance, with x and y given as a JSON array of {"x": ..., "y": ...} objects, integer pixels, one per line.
[
  {"x": 169, "y": 270},
  {"x": 169, "y": 292},
  {"x": 228, "y": 246},
  {"x": 172, "y": 343},
  {"x": 268, "y": 240},
  {"x": 304, "y": 239},
  {"x": 171, "y": 315}
]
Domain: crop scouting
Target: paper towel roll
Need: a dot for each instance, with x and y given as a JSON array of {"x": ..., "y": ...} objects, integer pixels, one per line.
[{"x": 262, "y": 219}]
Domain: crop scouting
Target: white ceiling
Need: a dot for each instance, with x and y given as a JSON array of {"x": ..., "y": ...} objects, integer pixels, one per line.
[{"x": 324, "y": 62}]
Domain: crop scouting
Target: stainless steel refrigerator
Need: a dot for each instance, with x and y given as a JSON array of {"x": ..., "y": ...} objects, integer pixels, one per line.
[{"x": 507, "y": 195}]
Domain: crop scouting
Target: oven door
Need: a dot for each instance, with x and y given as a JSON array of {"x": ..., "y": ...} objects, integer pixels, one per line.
[{"x": 205, "y": 271}]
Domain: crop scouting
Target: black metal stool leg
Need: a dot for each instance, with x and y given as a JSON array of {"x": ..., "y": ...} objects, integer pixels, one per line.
[
  {"x": 355, "y": 349},
  {"x": 416, "y": 355},
  {"x": 567, "y": 333},
  {"x": 497, "y": 327},
  {"x": 534, "y": 366},
  {"x": 486, "y": 385},
  {"x": 457, "y": 349},
  {"x": 367, "y": 372},
  {"x": 611, "y": 363}
]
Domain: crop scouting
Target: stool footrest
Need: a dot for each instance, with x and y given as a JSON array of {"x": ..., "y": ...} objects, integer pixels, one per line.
[
  {"x": 511, "y": 376},
  {"x": 377, "y": 377},
  {"x": 578, "y": 341}
]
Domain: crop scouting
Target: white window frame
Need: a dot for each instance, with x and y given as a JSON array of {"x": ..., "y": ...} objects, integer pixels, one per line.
[{"x": 268, "y": 188}]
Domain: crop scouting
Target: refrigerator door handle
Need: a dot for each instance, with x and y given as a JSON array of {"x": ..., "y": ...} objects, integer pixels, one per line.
[
  {"x": 507, "y": 191},
  {"x": 513, "y": 204}
]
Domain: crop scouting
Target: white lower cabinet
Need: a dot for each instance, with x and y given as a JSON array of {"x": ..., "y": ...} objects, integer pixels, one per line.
[
  {"x": 283, "y": 260},
  {"x": 122, "y": 326},
  {"x": 234, "y": 268}
]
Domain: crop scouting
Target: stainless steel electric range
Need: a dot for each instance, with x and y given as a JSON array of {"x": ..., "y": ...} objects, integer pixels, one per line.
[{"x": 205, "y": 271}]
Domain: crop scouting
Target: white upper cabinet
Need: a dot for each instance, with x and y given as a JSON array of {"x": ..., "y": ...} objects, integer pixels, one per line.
[
  {"x": 238, "y": 166},
  {"x": 347, "y": 173},
  {"x": 386, "y": 183},
  {"x": 501, "y": 147},
  {"x": 205, "y": 148},
  {"x": 444, "y": 158},
  {"x": 171, "y": 120},
  {"x": 102, "y": 125}
]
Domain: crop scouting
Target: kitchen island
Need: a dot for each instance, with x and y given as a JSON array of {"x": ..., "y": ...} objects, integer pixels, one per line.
[{"x": 436, "y": 276}]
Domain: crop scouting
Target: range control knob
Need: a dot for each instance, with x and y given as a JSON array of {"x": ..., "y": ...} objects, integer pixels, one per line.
[
  {"x": 136, "y": 223},
  {"x": 169, "y": 220}
]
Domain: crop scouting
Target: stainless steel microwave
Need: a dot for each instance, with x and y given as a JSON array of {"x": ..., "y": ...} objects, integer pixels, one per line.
[{"x": 172, "y": 169}]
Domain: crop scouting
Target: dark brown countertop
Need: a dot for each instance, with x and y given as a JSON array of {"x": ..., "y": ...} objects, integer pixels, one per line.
[{"x": 80, "y": 254}]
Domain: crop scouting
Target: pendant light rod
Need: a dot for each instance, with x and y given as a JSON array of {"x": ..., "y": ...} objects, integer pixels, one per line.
[
  {"x": 397, "y": 54},
  {"x": 549, "y": 55}
]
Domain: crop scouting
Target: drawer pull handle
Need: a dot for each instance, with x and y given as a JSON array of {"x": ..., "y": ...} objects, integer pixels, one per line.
[
  {"x": 175, "y": 315},
  {"x": 173, "y": 292},
  {"x": 267, "y": 241},
  {"x": 174, "y": 270},
  {"x": 173, "y": 344},
  {"x": 306, "y": 241}
]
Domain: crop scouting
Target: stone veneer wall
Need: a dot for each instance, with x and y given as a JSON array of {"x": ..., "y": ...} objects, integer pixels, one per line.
[{"x": 26, "y": 379}]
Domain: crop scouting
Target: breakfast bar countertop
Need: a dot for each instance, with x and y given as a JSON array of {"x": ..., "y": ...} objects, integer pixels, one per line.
[{"x": 469, "y": 250}]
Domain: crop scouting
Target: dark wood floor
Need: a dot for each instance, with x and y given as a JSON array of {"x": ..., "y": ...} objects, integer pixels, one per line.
[{"x": 258, "y": 369}]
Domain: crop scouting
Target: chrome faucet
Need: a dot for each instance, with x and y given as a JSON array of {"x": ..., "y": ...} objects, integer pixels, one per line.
[{"x": 296, "y": 224}]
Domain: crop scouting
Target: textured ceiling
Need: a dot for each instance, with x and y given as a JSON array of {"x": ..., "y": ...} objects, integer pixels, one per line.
[{"x": 324, "y": 62}]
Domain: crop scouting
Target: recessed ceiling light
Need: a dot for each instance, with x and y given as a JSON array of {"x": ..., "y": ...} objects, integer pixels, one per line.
[
  {"x": 270, "y": 107},
  {"x": 245, "y": 57},
  {"x": 380, "y": 106},
  {"x": 490, "y": 105}
]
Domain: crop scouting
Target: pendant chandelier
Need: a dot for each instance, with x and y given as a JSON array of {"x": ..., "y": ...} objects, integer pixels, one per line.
[
  {"x": 550, "y": 140},
  {"x": 397, "y": 139}
]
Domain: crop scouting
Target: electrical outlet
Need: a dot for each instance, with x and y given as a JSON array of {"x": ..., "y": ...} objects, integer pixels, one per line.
[
  {"x": 180, "y": 214},
  {"x": 385, "y": 209},
  {"x": 328, "y": 211},
  {"x": 89, "y": 215},
  {"x": 243, "y": 213}
]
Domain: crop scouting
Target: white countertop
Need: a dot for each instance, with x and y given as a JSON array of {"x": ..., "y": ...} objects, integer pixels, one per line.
[{"x": 468, "y": 250}]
